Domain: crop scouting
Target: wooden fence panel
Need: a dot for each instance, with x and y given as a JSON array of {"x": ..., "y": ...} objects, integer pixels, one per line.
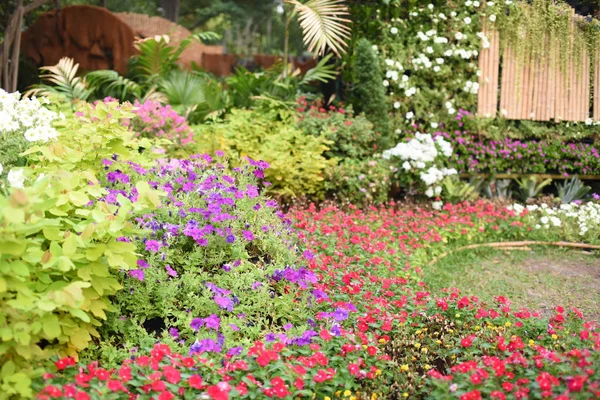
[{"x": 540, "y": 88}]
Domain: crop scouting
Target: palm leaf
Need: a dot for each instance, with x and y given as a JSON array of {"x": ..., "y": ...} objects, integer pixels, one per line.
[
  {"x": 110, "y": 83},
  {"x": 184, "y": 91},
  {"x": 321, "y": 72},
  {"x": 323, "y": 25},
  {"x": 66, "y": 82}
]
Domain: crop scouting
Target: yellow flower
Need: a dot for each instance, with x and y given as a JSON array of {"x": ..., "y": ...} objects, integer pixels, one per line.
[
  {"x": 326, "y": 398},
  {"x": 365, "y": 346},
  {"x": 405, "y": 394},
  {"x": 507, "y": 324},
  {"x": 378, "y": 372},
  {"x": 417, "y": 345},
  {"x": 457, "y": 315},
  {"x": 554, "y": 336},
  {"x": 347, "y": 393},
  {"x": 373, "y": 396},
  {"x": 424, "y": 350},
  {"x": 476, "y": 328},
  {"x": 427, "y": 366},
  {"x": 438, "y": 341},
  {"x": 404, "y": 367},
  {"x": 531, "y": 342},
  {"x": 418, "y": 332},
  {"x": 382, "y": 340}
]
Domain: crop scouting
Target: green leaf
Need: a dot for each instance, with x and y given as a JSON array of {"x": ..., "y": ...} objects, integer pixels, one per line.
[
  {"x": 70, "y": 245},
  {"x": 79, "y": 313},
  {"x": 78, "y": 198},
  {"x": 51, "y": 326},
  {"x": 12, "y": 247},
  {"x": 19, "y": 268}
]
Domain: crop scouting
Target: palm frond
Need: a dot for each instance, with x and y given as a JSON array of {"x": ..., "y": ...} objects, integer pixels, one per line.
[
  {"x": 321, "y": 72},
  {"x": 66, "y": 82},
  {"x": 110, "y": 83},
  {"x": 323, "y": 25},
  {"x": 184, "y": 91}
]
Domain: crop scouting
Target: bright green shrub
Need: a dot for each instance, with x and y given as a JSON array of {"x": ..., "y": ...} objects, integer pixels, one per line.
[
  {"x": 368, "y": 91},
  {"x": 352, "y": 136},
  {"x": 59, "y": 250},
  {"x": 359, "y": 182},
  {"x": 95, "y": 133},
  {"x": 296, "y": 160}
]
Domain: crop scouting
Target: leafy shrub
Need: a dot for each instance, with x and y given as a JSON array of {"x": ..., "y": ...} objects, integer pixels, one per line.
[
  {"x": 95, "y": 132},
  {"x": 296, "y": 161},
  {"x": 351, "y": 136},
  {"x": 59, "y": 258},
  {"x": 369, "y": 93},
  {"x": 359, "y": 182},
  {"x": 218, "y": 262}
]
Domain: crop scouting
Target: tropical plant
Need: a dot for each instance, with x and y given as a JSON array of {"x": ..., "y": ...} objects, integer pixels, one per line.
[
  {"x": 323, "y": 26},
  {"x": 108, "y": 83},
  {"x": 530, "y": 187},
  {"x": 66, "y": 82},
  {"x": 247, "y": 87},
  {"x": 572, "y": 190},
  {"x": 455, "y": 190}
]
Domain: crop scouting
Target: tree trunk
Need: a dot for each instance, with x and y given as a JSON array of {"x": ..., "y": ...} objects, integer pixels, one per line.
[
  {"x": 9, "y": 60},
  {"x": 171, "y": 8}
]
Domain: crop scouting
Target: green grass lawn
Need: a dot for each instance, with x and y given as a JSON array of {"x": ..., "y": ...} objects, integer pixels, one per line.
[{"x": 539, "y": 279}]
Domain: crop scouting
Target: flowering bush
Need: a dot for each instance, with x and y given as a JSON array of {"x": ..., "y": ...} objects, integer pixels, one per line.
[
  {"x": 360, "y": 182},
  {"x": 152, "y": 120},
  {"x": 422, "y": 161},
  {"x": 474, "y": 154},
  {"x": 351, "y": 136},
  {"x": 297, "y": 160},
  {"x": 376, "y": 329},
  {"x": 574, "y": 222},
  {"x": 218, "y": 263},
  {"x": 22, "y": 122}
]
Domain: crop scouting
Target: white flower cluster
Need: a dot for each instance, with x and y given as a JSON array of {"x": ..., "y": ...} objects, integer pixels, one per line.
[
  {"x": 583, "y": 218},
  {"x": 419, "y": 155},
  {"x": 26, "y": 116}
]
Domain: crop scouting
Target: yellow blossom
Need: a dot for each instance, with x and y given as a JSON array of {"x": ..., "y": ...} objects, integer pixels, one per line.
[
  {"x": 382, "y": 340},
  {"x": 347, "y": 393},
  {"x": 424, "y": 350},
  {"x": 554, "y": 336},
  {"x": 417, "y": 345},
  {"x": 507, "y": 324},
  {"x": 405, "y": 394},
  {"x": 404, "y": 367},
  {"x": 427, "y": 366}
]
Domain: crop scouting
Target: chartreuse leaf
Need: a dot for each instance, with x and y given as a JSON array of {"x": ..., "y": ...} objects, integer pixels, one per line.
[{"x": 51, "y": 326}]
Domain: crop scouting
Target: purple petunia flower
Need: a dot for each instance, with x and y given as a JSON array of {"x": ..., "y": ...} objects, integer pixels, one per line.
[
  {"x": 235, "y": 351},
  {"x": 234, "y": 327},
  {"x": 137, "y": 274},
  {"x": 230, "y": 239},
  {"x": 340, "y": 314},
  {"x": 212, "y": 322},
  {"x": 224, "y": 302},
  {"x": 174, "y": 332},
  {"x": 170, "y": 271},
  {"x": 153, "y": 246},
  {"x": 270, "y": 337},
  {"x": 196, "y": 323},
  {"x": 142, "y": 263}
]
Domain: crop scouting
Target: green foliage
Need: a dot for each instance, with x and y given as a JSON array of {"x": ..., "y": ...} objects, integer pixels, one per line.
[
  {"x": 359, "y": 182},
  {"x": 58, "y": 258},
  {"x": 66, "y": 82},
  {"x": 368, "y": 91},
  {"x": 456, "y": 190},
  {"x": 352, "y": 136},
  {"x": 530, "y": 187},
  {"x": 85, "y": 140},
  {"x": 108, "y": 83},
  {"x": 572, "y": 190},
  {"x": 297, "y": 161},
  {"x": 11, "y": 146},
  {"x": 247, "y": 88}
]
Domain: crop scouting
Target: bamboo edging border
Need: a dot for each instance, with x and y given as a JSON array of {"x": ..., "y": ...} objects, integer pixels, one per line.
[
  {"x": 515, "y": 246},
  {"x": 542, "y": 176}
]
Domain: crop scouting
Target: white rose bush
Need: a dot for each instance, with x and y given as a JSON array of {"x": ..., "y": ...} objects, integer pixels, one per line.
[{"x": 422, "y": 163}]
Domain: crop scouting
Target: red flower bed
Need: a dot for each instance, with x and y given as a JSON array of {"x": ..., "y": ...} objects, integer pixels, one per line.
[{"x": 377, "y": 330}]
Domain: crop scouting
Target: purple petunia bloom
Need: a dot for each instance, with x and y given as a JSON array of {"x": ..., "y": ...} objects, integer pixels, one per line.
[
  {"x": 174, "y": 332},
  {"x": 287, "y": 327},
  {"x": 234, "y": 327},
  {"x": 248, "y": 235},
  {"x": 153, "y": 246},
  {"x": 170, "y": 271},
  {"x": 308, "y": 255},
  {"x": 235, "y": 351},
  {"x": 230, "y": 239},
  {"x": 270, "y": 337},
  {"x": 340, "y": 314},
  {"x": 256, "y": 285},
  {"x": 142, "y": 263},
  {"x": 137, "y": 274},
  {"x": 224, "y": 302},
  {"x": 219, "y": 153},
  {"x": 212, "y": 322},
  {"x": 196, "y": 323}
]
